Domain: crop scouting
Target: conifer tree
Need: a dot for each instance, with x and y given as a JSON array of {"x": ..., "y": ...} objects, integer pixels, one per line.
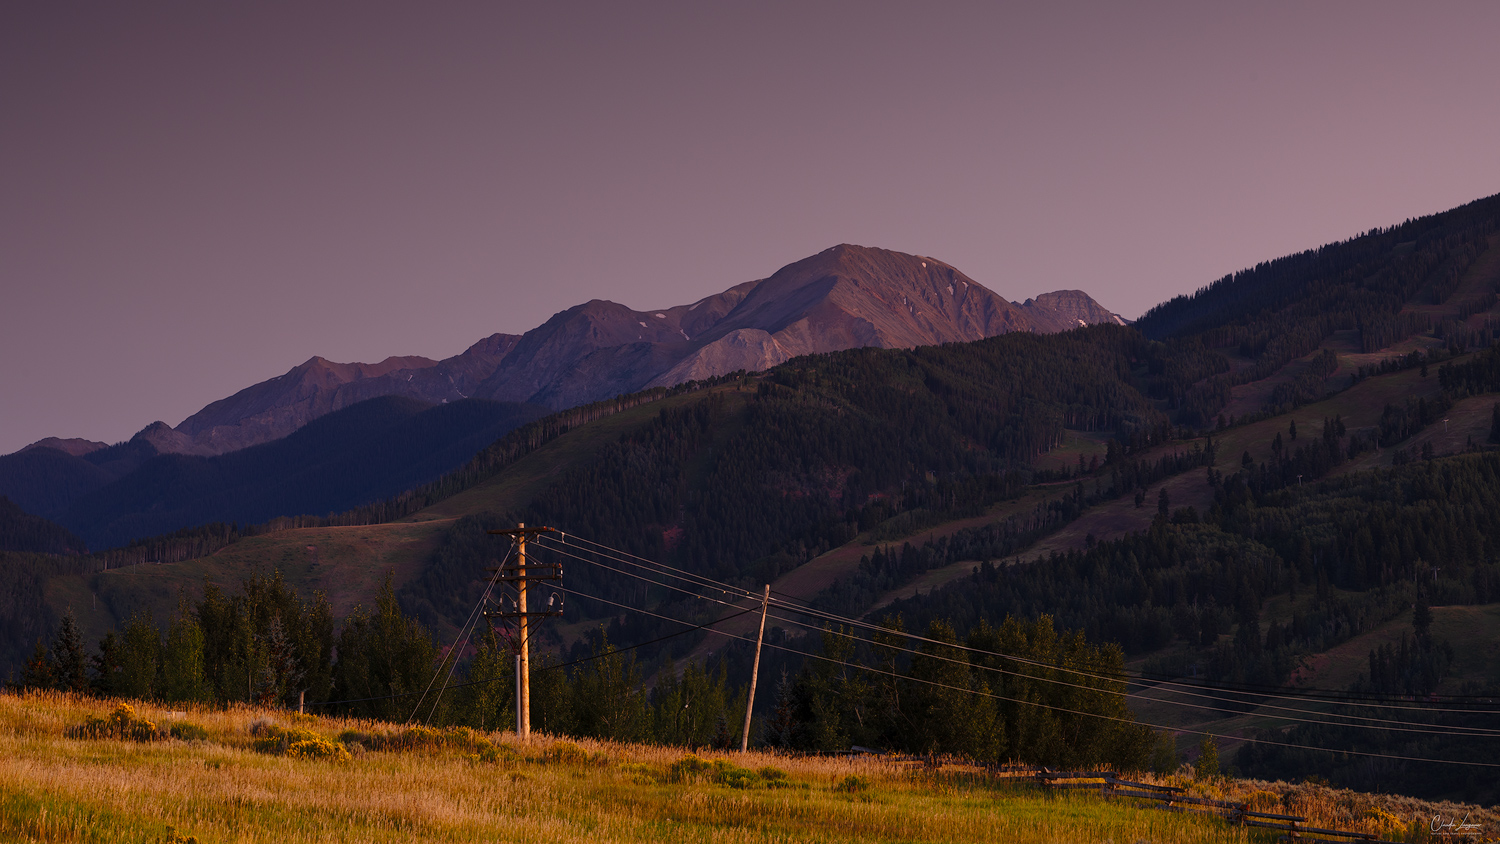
[
  {"x": 37, "y": 672},
  {"x": 69, "y": 658}
]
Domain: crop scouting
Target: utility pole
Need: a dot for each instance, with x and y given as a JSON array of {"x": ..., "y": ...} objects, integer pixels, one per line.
[
  {"x": 519, "y": 575},
  {"x": 765, "y": 602}
]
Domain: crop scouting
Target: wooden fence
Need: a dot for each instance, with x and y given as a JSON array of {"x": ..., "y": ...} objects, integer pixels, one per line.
[
  {"x": 1169, "y": 798},
  {"x": 1293, "y": 829}
]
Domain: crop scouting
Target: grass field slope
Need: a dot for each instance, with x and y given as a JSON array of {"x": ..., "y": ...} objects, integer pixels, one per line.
[{"x": 106, "y": 771}]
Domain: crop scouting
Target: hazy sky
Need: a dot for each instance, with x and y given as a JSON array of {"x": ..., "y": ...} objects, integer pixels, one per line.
[{"x": 198, "y": 196}]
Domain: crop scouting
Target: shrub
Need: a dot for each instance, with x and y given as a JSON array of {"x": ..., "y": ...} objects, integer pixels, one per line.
[
  {"x": 853, "y": 784},
  {"x": 688, "y": 769},
  {"x": 1383, "y": 823},
  {"x": 771, "y": 774},
  {"x": 693, "y": 768},
  {"x": 641, "y": 774},
  {"x": 121, "y": 724},
  {"x": 732, "y": 775},
  {"x": 296, "y": 743},
  {"x": 477, "y": 746},
  {"x": 185, "y": 731},
  {"x": 565, "y": 753},
  {"x": 318, "y": 748}
]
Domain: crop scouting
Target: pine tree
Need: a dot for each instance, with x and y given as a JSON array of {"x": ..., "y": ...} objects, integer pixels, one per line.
[
  {"x": 69, "y": 659},
  {"x": 1421, "y": 618},
  {"x": 107, "y": 665},
  {"x": 37, "y": 672},
  {"x": 778, "y": 729},
  {"x": 279, "y": 673}
]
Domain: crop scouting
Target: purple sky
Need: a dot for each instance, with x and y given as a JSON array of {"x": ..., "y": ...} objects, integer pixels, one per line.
[{"x": 198, "y": 196}]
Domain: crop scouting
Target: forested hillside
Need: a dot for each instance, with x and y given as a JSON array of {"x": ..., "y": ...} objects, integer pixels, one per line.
[
  {"x": 1280, "y": 310},
  {"x": 21, "y": 531},
  {"x": 754, "y": 478}
]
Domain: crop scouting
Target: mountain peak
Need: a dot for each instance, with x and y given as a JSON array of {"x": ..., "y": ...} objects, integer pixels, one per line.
[{"x": 846, "y": 296}]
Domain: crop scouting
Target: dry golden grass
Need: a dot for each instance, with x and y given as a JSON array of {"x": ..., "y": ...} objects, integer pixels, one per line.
[{"x": 218, "y": 789}]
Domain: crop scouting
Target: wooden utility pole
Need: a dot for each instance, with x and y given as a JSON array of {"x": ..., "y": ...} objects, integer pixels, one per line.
[
  {"x": 520, "y": 575},
  {"x": 765, "y": 602}
]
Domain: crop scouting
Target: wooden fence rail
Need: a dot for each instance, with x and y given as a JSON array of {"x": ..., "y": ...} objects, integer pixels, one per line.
[{"x": 1173, "y": 799}]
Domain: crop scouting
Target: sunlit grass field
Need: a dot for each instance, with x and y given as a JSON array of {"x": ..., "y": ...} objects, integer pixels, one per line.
[{"x": 213, "y": 784}]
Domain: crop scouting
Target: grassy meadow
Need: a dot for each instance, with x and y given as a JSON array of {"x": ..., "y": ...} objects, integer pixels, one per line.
[{"x": 74, "y": 769}]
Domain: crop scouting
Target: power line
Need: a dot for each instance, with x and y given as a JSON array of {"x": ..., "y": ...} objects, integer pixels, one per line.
[
  {"x": 1176, "y": 687},
  {"x": 645, "y": 579},
  {"x": 1113, "y": 718},
  {"x": 1448, "y": 731},
  {"x": 645, "y": 562},
  {"x": 838, "y": 619},
  {"x": 474, "y": 617},
  {"x": 659, "y": 569}
]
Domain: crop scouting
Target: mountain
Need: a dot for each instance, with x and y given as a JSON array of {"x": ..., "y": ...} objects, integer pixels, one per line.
[
  {"x": 370, "y": 450},
  {"x": 844, "y": 297},
  {"x": 275, "y": 408}
]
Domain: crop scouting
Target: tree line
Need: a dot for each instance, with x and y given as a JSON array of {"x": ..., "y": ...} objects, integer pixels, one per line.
[{"x": 265, "y": 645}]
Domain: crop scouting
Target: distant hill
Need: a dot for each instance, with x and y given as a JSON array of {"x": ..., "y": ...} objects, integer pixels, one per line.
[{"x": 370, "y": 450}]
